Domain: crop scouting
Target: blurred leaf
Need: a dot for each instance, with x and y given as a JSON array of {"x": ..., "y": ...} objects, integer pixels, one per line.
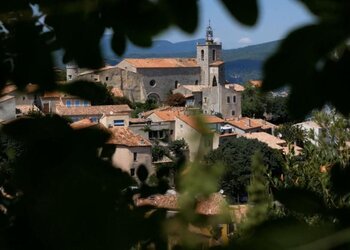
[
  {"x": 118, "y": 43},
  {"x": 301, "y": 201},
  {"x": 286, "y": 233},
  {"x": 330, "y": 10},
  {"x": 340, "y": 179},
  {"x": 300, "y": 66},
  {"x": 86, "y": 90},
  {"x": 245, "y": 11}
]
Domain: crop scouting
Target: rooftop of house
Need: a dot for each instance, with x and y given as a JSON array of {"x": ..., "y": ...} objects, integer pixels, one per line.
[
  {"x": 236, "y": 87},
  {"x": 194, "y": 121},
  {"x": 163, "y": 62},
  {"x": 25, "y": 109},
  {"x": 125, "y": 137},
  {"x": 168, "y": 115},
  {"x": 93, "y": 110},
  {"x": 85, "y": 123},
  {"x": 211, "y": 206},
  {"x": 194, "y": 88},
  {"x": 245, "y": 123},
  {"x": 270, "y": 140},
  {"x": 217, "y": 63},
  {"x": 164, "y": 108}
]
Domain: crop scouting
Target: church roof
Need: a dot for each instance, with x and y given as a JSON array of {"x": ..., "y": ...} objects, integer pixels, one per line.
[
  {"x": 163, "y": 62},
  {"x": 217, "y": 63}
]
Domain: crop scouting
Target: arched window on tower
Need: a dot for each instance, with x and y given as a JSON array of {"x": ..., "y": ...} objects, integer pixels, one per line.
[
  {"x": 202, "y": 55},
  {"x": 214, "y": 55},
  {"x": 215, "y": 83}
]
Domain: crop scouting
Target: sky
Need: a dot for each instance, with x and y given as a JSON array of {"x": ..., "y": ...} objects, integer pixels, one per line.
[{"x": 277, "y": 19}]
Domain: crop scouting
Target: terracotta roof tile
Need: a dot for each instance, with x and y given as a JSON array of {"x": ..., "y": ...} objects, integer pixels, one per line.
[
  {"x": 85, "y": 123},
  {"x": 244, "y": 123},
  {"x": 165, "y": 108},
  {"x": 163, "y": 62},
  {"x": 236, "y": 87},
  {"x": 124, "y": 136},
  {"x": 270, "y": 140},
  {"x": 193, "y": 121},
  {"x": 210, "y": 206},
  {"x": 25, "y": 109},
  {"x": 92, "y": 110},
  {"x": 168, "y": 115}
]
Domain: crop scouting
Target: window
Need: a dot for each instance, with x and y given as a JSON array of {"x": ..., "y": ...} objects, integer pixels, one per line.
[
  {"x": 215, "y": 83},
  {"x": 228, "y": 99},
  {"x": 107, "y": 78},
  {"x": 118, "y": 123},
  {"x": 233, "y": 112},
  {"x": 69, "y": 77},
  {"x": 132, "y": 171},
  {"x": 94, "y": 119},
  {"x": 214, "y": 54},
  {"x": 205, "y": 100},
  {"x": 86, "y": 103},
  {"x": 23, "y": 98},
  {"x": 96, "y": 78},
  {"x": 176, "y": 84},
  {"x": 152, "y": 83},
  {"x": 77, "y": 103},
  {"x": 135, "y": 156},
  {"x": 171, "y": 132},
  {"x": 68, "y": 103},
  {"x": 202, "y": 55},
  {"x": 181, "y": 125},
  {"x": 196, "y": 83},
  {"x": 234, "y": 99}
]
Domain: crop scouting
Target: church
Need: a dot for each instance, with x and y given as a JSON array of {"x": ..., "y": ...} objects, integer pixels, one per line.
[{"x": 201, "y": 80}]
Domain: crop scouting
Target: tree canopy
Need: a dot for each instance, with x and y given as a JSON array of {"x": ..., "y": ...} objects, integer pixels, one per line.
[{"x": 236, "y": 155}]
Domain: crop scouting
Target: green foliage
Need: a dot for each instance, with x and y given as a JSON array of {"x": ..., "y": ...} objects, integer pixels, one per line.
[
  {"x": 291, "y": 134},
  {"x": 259, "y": 197},
  {"x": 257, "y": 104},
  {"x": 139, "y": 107},
  {"x": 178, "y": 147},
  {"x": 158, "y": 152},
  {"x": 236, "y": 155}
]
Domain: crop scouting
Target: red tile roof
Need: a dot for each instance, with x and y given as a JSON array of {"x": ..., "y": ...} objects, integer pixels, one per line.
[
  {"x": 256, "y": 83},
  {"x": 236, "y": 87},
  {"x": 92, "y": 110},
  {"x": 244, "y": 123},
  {"x": 210, "y": 206},
  {"x": 194, "y": 121},
  {"x": 163, "y": 62},
  {"x": 168, "y": 115},
  {"x": 124, "y": 136},
  {"x": 85, "y": 123}
]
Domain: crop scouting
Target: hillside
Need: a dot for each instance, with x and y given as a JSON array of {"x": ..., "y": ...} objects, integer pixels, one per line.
[{"x": 242, "y": 64}]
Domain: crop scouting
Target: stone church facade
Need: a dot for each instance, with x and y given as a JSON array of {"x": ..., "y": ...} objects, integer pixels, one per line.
[{"x": 156, "y": 78}]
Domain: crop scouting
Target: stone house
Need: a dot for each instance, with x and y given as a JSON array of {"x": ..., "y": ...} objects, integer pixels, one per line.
[
  {"x": 26, "y": 97},
  {"x": 7, "y": 108},
  {"x": 311, "y": 127},
  {"x": 156, "y": 78},
  {"x": 108, "y": 115},
  {"x": 128, "y": 151},
  {"x": 50, "y": 100},
  {"x": 202, "y": 134}
]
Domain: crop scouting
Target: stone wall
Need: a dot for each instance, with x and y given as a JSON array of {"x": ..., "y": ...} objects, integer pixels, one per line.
[{"x": 7, "y": 108}]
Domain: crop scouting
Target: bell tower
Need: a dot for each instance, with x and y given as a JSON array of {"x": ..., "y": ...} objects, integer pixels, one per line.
[{"x": 207, "y": 54}]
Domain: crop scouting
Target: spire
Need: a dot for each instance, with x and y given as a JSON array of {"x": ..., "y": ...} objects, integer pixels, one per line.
[{"x": 209, "y": 35}]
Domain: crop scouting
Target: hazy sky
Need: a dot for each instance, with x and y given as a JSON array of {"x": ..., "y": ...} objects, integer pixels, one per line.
[{"x": 277, "y": 18}]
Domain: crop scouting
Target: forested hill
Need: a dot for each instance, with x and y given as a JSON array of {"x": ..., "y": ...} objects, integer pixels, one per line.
[{"x": 242, "y": 64}]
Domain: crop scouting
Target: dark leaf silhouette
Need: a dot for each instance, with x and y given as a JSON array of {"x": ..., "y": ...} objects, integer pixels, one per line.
[{"x": 246, "y": 11}]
